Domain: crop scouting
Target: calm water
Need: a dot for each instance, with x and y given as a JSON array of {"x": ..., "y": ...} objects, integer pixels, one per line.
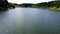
[{"x": 29, "y": 21}]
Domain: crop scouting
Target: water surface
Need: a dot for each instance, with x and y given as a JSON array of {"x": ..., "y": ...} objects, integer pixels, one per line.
[{"x": 29, "y": 21}]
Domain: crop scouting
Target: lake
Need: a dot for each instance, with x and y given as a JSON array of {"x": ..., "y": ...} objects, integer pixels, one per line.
[{"x": 29, "y": 21}]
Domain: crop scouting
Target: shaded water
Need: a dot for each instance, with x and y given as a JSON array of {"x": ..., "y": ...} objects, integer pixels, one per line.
[{"x": 29, "y": 21}]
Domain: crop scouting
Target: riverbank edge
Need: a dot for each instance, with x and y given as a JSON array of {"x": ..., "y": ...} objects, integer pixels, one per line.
[
  {"x": 54, "y": 8},
  {"x": 50, "y": 8}
]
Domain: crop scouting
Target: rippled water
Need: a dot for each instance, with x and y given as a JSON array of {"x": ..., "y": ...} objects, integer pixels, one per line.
[{"x": 29, "y": 21}]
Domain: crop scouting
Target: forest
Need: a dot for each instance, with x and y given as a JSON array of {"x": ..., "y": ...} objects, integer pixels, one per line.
[{"x": 4, "y": 4}]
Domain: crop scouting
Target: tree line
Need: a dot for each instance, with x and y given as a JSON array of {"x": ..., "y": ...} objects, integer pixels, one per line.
[
  {"x": 4, "y": 4},
  {"x": 43, "y": 4}
]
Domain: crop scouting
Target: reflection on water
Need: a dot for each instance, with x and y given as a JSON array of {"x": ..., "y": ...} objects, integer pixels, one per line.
[{"x": 29, "y": 21}]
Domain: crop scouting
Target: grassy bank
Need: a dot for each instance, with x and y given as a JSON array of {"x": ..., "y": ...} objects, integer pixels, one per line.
[{"x": 54, "y": 8}]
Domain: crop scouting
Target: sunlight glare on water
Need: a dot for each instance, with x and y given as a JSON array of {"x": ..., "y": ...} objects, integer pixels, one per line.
[{"x": 30, "y": 21}]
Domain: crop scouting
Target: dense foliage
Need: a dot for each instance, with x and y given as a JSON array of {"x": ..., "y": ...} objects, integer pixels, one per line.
[
  {"x": 5, "y": 5},
  {"x": 50, "y": 4},
  {"x": 43, "y": 4}
]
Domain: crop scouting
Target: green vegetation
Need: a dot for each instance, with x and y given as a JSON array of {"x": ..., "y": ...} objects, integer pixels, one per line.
[
  {"x": 5, "y": 5},
  {"x": 52, "y": 5},
  {"x": 54, "y": 8}
]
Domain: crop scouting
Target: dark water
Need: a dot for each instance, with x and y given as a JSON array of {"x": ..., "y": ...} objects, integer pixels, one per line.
[{"x": 29, "y": 21}]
